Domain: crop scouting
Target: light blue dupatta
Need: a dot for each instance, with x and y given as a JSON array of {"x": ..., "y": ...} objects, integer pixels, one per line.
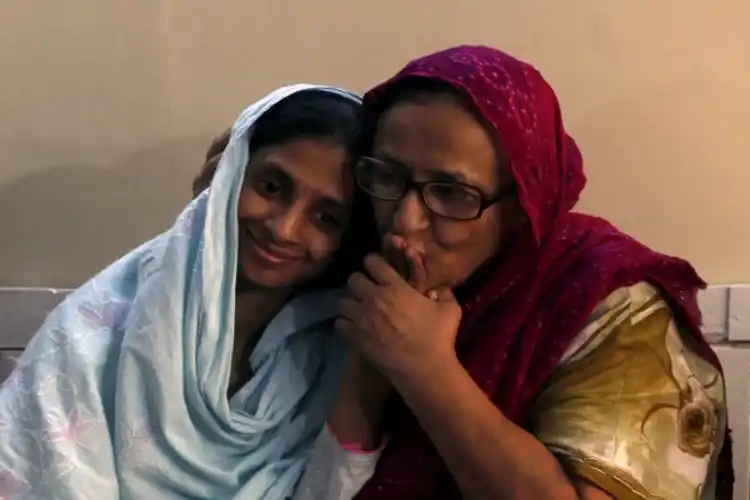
[{"x": 122, "y": 392}]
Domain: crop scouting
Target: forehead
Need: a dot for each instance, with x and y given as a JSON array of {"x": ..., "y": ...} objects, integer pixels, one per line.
[
  {"x": 438, "y": 133},
  {"x": 318, "y": 167}
]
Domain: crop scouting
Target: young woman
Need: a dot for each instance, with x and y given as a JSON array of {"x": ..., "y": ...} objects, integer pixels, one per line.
[
  {"x": 533, "y": 352},
  {"x": 203, "y": 363}
]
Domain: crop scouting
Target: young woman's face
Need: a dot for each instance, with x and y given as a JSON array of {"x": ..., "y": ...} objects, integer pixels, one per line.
[{"x": 293, "y": 209}]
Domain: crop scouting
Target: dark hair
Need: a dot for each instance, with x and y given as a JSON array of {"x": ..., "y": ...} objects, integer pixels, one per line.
[
  {"x": 314, "y": 114},
  {"x": 308, "y": 114}
]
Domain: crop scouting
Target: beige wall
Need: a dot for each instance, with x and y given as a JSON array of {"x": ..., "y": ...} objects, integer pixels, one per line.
[{"x": 104, "y": 115}]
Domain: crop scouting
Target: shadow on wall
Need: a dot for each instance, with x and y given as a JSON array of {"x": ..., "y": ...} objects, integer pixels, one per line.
[{"x": 62, "y": 224}]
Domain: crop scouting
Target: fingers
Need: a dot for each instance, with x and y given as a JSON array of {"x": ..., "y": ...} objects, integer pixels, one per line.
[
  {"x": 360, "y": 286},
  {"x": 417, "y": 274},
  {"x": 406, "y": 261},
  {"x": 219, "y": 144},
  {"x": 393, "y": 253},
  {"x": 213, "y": 157},
  {"x": 349, "y": 309},
  {"x": 444, "y": 294},
  {"x": 206, "y": 175},
  {"x": 344, "y": 327},
  {"x": 380, "y": 271}
]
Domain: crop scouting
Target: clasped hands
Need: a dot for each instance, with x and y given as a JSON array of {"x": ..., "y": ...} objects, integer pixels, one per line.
[{"x": 395, "y": 323}]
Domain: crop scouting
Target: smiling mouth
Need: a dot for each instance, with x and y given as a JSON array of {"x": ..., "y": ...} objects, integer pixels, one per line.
[{"x": 268, "y": 253}]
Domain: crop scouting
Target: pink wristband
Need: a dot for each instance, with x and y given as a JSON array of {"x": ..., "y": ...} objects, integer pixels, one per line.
[{"x": 353, "y": 446}]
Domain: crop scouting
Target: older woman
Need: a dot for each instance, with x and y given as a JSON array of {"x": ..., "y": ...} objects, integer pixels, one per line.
[{"x": 531, "y": 352}]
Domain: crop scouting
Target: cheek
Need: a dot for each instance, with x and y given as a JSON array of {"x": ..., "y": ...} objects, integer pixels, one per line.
[
  {"x": 480, "y": 238},
  {"x": 322, "y": 247},
  {"x": 452, "y": 235},
  {"x": 250, "y": 205},
  {"x": 461, "y": 249}
]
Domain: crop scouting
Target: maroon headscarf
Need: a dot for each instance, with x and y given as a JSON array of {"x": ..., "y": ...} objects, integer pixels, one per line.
[{"x": 539, "y": 294}]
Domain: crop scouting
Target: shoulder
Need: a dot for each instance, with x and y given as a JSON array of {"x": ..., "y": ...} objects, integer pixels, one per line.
[
  {"x": 631, "y": 407},
  {"x": 630, "y": 305}
]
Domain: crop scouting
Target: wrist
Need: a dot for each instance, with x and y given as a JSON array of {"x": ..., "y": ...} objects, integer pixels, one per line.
[
  {"x": 351, "y": 422},
  {"x": 427, "y": 375},
  {"x": 364, "y": 445}
]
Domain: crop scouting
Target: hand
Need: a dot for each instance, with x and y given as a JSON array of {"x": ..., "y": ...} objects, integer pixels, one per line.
[
  {"x": 213, "y": 156},
  {"x": 399, "y": 330},
  {"x": 405, "y": 261}
]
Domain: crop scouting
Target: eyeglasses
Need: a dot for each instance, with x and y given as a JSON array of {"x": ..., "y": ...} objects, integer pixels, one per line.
[{"x": 452, "y": 200}]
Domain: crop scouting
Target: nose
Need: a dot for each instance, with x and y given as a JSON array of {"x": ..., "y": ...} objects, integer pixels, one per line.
[
  {"x": 411, "y": 215},
  {"x": 285, "y": 226}
]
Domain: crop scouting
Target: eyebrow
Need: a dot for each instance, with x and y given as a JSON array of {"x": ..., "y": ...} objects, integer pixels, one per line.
[{"x": 439, "y": 175}]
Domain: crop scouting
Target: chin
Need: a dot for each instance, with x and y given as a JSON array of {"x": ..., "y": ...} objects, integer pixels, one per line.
[{"x": 252, "y": 277}]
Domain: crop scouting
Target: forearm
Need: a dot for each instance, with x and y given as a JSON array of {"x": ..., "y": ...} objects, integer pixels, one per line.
[
  {"x": 357, "y": 411},
  {"x": 489, "y": 456}
]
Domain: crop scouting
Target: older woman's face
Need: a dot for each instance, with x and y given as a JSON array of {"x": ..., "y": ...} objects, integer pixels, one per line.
[{"x": 437, "y": 139}]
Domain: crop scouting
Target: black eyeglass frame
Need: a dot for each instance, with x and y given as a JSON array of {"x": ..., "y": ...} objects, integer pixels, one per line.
[{"x": 485, "y": 201}]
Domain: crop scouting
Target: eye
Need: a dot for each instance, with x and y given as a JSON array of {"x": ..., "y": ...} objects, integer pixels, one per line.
[
  {"x": 391, "y": 179},
  {"x": 453, "y": 194},
  {"x": 386, "y": 177},
  {"x": 380, "y": 173},
  {"x": 268, "y": 187},
  {"x": 330, "y": 220}
]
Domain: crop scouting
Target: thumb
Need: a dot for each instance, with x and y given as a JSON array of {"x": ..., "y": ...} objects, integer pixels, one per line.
[{"x": 442, "y": 294}]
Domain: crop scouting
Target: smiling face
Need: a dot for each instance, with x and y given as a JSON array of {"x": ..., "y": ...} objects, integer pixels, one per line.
[
  {"x": 292, "y": 212},
  {"x": 435, "y": 138}
]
